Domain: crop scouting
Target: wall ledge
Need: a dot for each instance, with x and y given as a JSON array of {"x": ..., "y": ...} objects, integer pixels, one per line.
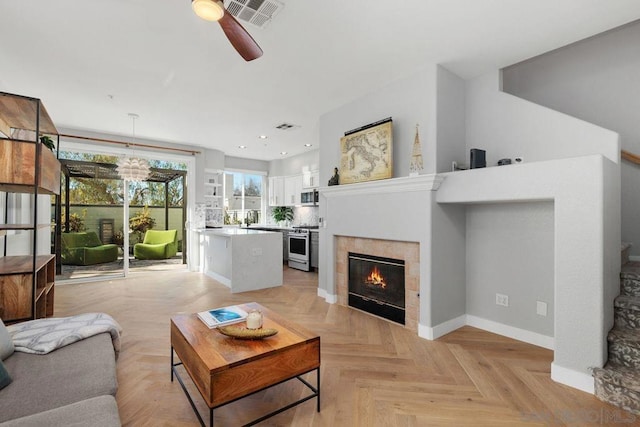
[{"x": 429, "y": 182}]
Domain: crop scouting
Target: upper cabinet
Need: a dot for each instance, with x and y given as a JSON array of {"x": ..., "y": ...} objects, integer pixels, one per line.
[
  {"x": 25, "y": 160},
  {"x": 310, "y": 179},
  {"x": 292, "y": 190},
  {"x": 285, "y": 190},
  {"x": 276, "y": 191}
]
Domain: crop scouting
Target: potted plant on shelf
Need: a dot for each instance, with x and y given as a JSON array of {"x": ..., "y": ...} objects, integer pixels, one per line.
[
  {"x": 282, "y": 213},
  {"x": 48, "y": 142}
]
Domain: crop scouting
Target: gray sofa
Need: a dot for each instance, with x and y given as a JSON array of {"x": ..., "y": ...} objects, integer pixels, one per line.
[{"x": 72, "y": 386}]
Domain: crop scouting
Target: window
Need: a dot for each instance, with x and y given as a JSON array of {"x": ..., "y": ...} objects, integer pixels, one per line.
[{"x": 243, "y": 203}]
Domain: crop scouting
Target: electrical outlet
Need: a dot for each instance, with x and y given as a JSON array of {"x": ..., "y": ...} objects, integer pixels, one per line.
[
  {"x": 256, "y": 251},
  {"x": 502, "y": 300},
  {"x": 541, "y": 308}
]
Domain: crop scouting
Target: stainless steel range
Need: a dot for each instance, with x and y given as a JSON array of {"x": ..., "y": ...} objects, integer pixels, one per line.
[{"x": 299, "y": 248}]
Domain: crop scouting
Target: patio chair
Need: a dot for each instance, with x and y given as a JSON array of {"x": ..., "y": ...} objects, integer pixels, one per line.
[
  {"x": 85, "y": 248},
  {"x": 157, "y": 244}
]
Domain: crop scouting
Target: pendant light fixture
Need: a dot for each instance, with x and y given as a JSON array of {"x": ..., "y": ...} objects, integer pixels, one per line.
[{"x": 133, "y": 168}]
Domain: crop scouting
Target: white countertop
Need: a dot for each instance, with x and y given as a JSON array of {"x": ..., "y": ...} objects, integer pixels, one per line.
[
  {"x": 255, "y": 228},
  {"x": 232, "y": 231},
  {"x": 282, "y": 228}
]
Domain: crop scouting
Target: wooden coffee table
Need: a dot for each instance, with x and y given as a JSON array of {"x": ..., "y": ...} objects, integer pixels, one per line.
[{"x": 225, "y": 369}]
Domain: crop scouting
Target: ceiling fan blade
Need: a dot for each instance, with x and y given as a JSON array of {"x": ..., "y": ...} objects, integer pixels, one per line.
[{"x": 240, "y": 38}]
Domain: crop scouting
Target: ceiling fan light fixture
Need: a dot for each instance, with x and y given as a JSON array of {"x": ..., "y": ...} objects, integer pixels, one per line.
[{"x": 209, "y": 10}]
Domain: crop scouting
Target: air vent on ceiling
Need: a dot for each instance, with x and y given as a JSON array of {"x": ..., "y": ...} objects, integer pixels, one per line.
[
  {"x": 256, "y": 12},
  {"x": 286, "y": 126}
]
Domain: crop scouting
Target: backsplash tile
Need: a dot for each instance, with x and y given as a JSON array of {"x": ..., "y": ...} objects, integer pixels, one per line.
[{"x": 302, "y": 215}]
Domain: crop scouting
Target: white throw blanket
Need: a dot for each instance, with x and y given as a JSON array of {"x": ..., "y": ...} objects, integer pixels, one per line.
[{"x": 42, "y": 336}]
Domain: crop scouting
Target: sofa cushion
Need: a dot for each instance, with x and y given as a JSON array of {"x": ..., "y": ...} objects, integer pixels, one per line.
[
  {"x": 5, "y": 378},
  {"x": 6, "y": 344},
  {"x": 157, "y": 244},
  {"x": 85, "y": 248},
  {"x": 96, "y": 412},
  {"x": 81, "y": 239},
  {"x": 79, "y": 371}
]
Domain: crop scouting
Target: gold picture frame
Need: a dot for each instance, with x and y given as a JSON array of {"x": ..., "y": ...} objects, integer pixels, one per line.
[{"x": 367, "y": 154}]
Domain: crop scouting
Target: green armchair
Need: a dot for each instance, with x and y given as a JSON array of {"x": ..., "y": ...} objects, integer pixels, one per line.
[
  {"x": 157, "y": 244},
  {"x": 85, "y": 248}
]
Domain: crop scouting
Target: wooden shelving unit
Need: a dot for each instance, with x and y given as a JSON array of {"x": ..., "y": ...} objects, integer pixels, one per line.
[{"x": 27, "y": 282}]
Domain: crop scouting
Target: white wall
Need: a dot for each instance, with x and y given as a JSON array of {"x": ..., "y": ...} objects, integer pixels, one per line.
[
  {"x": 507, "y": 127},
  {"x": 598, "y": 80},
  {"x": 294, "y": 165},
  {"x": 242, "y": 164},
  {"x": 447, "y": 270},
  {"x": 510, "y": 251},
  {"x": 407, "y": 101},
  {"x": 451, "y": 120}
]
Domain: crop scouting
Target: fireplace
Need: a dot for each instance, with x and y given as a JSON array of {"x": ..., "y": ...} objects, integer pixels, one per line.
[{"x": 377, "y": 286}]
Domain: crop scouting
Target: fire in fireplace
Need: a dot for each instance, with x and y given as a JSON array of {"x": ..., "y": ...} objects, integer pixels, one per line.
[{"x": 376, "y": 285}]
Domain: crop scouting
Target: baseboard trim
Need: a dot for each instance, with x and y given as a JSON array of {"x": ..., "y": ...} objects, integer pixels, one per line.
[
  {"x": 329, "y": 298},
  {"x": 433, "y": 333},
  {"x": 511, "y": 332},
  {"x": 219, "y": 278},
  {"x": 575, "y": 379},
  {"x": 442, "y": 329}
]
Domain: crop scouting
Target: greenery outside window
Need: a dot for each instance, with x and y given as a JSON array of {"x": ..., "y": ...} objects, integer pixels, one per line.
[{"x": 243, "y": 202}]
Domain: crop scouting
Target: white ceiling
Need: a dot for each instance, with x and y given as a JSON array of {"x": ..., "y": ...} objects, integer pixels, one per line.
[{"x": 92, "y": 62}]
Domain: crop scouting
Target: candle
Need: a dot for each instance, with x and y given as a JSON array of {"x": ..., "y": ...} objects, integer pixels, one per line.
[{"x": 254, "y": 319}]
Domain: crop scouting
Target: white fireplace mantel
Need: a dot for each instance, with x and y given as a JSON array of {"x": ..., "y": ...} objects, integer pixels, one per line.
[{"x": 429, "y": 182}]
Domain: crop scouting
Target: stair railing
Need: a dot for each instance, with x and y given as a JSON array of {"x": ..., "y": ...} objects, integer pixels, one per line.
[{"x": 633, "y": 158}]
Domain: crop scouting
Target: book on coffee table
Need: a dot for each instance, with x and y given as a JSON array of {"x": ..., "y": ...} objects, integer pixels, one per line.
[{"x": 222, "y": 316}]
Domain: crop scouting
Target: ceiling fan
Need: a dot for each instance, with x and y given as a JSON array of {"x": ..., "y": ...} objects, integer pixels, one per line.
[{"x": 241, "y": 40}]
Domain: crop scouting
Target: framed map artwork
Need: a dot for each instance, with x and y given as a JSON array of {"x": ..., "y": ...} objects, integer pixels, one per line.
[{"x": 367, "y": 153}]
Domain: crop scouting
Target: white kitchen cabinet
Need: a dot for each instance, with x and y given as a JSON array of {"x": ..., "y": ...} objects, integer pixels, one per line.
[
  {"x": 276, "y": 191},
  {"x": 310, "y": 179},
  {"x": 292, "y": 190}
]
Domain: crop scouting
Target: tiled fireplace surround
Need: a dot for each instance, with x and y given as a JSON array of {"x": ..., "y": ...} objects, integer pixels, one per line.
[{"x": 409, "y": 252}]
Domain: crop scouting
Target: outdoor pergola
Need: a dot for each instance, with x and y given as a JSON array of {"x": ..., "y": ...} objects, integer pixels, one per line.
[{"x": 95, "y": 170}]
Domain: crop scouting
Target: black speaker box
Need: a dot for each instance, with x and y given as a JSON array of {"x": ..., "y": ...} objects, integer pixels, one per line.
[{"x": 478, "y": 159}]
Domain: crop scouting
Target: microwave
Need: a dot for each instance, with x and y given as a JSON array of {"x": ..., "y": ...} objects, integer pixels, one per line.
[{"x": 309, "y": 198}]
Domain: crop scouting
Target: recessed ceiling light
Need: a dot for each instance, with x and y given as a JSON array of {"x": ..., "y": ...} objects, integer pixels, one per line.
[
  {"x": 283, "y": 152},
  {"x": 263, "y": 137},
  {"x": 308, "y": 145},
  {"x": 242, "y": 146}
]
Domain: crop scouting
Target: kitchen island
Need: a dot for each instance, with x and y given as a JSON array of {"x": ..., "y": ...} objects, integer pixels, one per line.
[{"x": 242, "y": 259}]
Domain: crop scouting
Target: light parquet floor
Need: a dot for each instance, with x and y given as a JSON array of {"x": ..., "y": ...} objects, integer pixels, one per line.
[{"x": 374, "y": 373}]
